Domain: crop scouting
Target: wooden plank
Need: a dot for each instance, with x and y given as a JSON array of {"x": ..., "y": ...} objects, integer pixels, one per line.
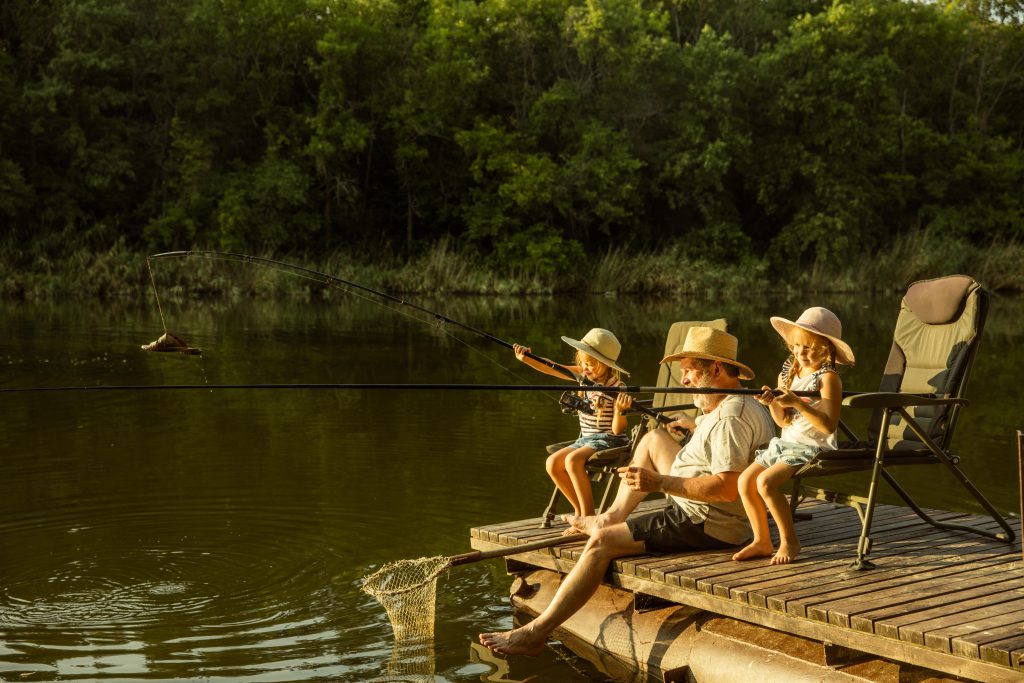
[
  {"x": 913, "y": 627},
  {"x": 835, "y": 607},
  {"x": 983, "y": 620},
  {"x": 994, "y": 639},
  {"x": 688, "y": 574},
  {"x": 883, "y": 647},
  {"x": 896, "y": 572},
  {"x": 1008, "y": 651},
  {"x": 909, "y": 591},
  {"x": 829, "y": 572},
  {"x": 796, "y": 598}
]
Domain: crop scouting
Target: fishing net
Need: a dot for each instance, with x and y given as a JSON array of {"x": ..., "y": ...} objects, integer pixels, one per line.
[{"x": 407, "y": 589}]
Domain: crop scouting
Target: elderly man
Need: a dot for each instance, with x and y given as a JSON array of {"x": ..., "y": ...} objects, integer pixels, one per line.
[{"x": 701, "y": 478}]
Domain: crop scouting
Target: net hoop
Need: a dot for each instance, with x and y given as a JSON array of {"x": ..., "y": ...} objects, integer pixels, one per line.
[{"x": 379, "y": 583}]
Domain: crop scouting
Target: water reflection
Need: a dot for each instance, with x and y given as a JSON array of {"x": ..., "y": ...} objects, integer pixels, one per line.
[{"x": 225, "y": 534}]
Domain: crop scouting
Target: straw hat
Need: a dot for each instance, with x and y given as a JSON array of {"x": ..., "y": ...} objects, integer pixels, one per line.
[
  {"x": 711, "y": 344},
  {"x": 820, "y": 321},
  {"x": 602, "y": 345}
]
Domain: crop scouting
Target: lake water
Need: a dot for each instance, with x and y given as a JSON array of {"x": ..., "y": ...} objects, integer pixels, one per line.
[{"x": 224, "y": 535}]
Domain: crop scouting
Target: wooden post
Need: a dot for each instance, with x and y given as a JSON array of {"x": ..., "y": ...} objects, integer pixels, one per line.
[{"x": 1020, "y": 471}]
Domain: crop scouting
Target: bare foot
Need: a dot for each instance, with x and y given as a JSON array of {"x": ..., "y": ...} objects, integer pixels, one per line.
[
  {"x": 514, "y": 642},
  {"x": 754, "y": 550},
  {"x": 586, "y": 525},
  {"x": 786, "y": 554},
  {"x": 571, "y": 531}
]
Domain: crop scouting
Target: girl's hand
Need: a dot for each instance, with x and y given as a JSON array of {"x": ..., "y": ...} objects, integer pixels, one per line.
[
  {"x": 767, "y": 397},
  {"x": 623, "y": 402},
  {"x": 789, "y": 400},
  {"x": 520, "y": 351}
]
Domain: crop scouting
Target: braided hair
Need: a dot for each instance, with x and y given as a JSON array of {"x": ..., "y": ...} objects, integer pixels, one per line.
[{"x": 789, "y": 368}]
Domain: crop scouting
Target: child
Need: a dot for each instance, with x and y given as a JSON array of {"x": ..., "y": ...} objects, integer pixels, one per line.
[
  {"x": 808, "y": 426},
  {"x": 596, "y": 356}
]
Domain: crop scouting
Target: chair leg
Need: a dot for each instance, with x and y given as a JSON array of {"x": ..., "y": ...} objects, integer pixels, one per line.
[
  {"x": 549, "y": 511},
  {"x": 864, "y": 542},
  {"x": 794, "y": 502},
  {"x": 607, "y": 492},
  {"x": 1007, "y": 537}
]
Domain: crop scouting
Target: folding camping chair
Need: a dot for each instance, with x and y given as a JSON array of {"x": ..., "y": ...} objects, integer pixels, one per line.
[
  {"x": 602, "y": 465},
  {"x": 915, "y": 411}
]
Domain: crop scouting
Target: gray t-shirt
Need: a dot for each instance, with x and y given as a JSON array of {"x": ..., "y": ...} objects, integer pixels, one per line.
[{"x": 723, "y": 441}]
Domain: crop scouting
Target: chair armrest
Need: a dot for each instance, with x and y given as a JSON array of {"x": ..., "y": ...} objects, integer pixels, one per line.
[
  {"x": 883, "y": 399},
  {"x": 555, "y": 447}
]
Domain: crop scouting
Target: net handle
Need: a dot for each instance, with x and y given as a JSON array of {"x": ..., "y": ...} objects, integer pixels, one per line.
[{"x": 478, "y": 555}]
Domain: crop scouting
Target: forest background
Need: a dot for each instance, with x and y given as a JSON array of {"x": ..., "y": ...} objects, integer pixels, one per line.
[{"x": 513, "y": 146}]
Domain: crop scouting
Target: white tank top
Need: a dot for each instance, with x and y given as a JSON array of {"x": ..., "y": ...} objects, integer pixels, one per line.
[{"x": 800, "y": 430}]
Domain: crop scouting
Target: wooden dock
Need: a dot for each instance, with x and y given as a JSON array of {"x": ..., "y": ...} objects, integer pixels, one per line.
[{"x": 943, "y": 601}]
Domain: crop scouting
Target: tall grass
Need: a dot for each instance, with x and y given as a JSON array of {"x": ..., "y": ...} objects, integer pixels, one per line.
[{"x": 446, "y": 269}]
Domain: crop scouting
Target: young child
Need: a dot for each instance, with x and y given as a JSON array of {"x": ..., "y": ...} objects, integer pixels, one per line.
[
  {"x": 596, "y": 361},
  {"x": 808, "y": 426}
]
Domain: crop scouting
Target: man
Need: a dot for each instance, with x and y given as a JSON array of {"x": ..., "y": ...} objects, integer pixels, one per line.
[{"x": 701, "y": 478}]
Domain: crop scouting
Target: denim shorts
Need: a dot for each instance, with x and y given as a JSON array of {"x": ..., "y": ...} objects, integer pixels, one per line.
[
  {"x": 792, "y": 454},
  {"x": 600, "y": 442}
]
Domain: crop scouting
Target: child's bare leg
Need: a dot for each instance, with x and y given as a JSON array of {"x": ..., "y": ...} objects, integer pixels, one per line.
[
  {"x": 753, "y": 505},
  {"x": 576, "y": 466},
  {"x": 656, "y": 451},
  {"x": 556, "y": 468},
  {"x": 769, "y": 485}
]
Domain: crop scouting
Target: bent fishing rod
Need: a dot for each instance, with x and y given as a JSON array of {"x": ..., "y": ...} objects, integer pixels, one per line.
[{"x": 341, "y": 283}]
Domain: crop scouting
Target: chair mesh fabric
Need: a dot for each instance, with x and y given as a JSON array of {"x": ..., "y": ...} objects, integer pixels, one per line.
[{"x": 931, "y": 357}]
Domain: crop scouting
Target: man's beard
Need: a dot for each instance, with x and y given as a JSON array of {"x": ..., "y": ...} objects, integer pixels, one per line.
[{"x": 703, "y": 381}]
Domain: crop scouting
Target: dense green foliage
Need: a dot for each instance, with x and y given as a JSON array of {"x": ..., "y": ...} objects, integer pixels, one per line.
[{"x": 529, "y": 132}]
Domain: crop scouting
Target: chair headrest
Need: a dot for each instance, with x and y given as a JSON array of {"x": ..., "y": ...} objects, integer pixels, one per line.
[{"x": 938, "y": 301}]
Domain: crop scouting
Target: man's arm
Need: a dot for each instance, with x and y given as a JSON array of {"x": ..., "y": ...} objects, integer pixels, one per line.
[{"x": 708, "y": 488}]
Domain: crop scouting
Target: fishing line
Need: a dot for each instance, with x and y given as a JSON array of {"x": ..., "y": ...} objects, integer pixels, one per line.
[
  {"x": 345, "y": 285},
  {"x": 350, "y": 288},
  {"x": 156, "y": 293}
]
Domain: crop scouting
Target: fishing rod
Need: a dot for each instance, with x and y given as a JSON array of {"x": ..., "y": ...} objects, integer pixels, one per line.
[
  {"x": 568, "y": 401},
  {"x": 741, "y": 391}
]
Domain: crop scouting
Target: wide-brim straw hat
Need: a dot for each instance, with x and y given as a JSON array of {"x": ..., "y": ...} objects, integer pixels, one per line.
[
  {"x": 602, "y": 345},
  {"x": 711, "y": 344},
  {"x": 820, "y": 321}
]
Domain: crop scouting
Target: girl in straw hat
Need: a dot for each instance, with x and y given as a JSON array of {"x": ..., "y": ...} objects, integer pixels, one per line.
[
  {"x": 603, "y": 427},
  {"x": 808, "y": 426}
]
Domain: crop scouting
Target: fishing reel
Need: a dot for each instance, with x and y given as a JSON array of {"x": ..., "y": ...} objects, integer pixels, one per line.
[{"x": 572, "y": 402}]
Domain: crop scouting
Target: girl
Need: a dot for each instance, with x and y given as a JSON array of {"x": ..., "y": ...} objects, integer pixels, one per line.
[
  {"x": 808, "y": 426},
  {"x": 603, "y": 428}
]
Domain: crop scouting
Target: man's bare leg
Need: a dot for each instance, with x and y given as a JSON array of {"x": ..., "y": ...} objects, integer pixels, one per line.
[
  {"x": 656, "y": 451},
  {"x": 579, "y": 585}
]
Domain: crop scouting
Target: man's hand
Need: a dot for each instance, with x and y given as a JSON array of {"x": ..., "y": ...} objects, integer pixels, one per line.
[
  {"x": 684, "y": 425},
  {"x": 641, "y": 479}
]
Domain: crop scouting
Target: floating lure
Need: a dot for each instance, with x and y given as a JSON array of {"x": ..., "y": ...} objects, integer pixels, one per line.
[{"x": 172, "y": 344}]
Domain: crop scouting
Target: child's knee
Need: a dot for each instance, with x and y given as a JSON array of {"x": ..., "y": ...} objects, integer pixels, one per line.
[
  {"x": 764, "y": 484},
  {"x": 555, "y": 463},
  {"x": 578, "y": 458}
]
